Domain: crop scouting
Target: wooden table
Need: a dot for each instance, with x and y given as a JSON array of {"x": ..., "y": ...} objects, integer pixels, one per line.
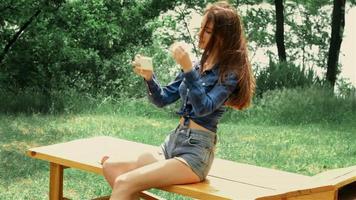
[{"x": 226, "y": 180}]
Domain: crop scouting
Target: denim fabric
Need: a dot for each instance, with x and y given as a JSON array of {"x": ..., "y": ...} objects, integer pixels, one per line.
[
  {"x": 196, "y": 147},
  {"x": 202, "y": 95}
]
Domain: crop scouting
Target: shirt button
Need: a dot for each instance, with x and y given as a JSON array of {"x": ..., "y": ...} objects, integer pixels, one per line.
[{"x": 203, "y": 84}]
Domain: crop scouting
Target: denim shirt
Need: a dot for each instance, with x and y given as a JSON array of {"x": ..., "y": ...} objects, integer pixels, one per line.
[{"x": 202, "y": 95}]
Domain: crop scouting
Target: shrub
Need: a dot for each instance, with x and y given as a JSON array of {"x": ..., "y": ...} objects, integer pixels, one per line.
[
  {"x": 313, "y": 104},
  {"x": 283, "y": 75}
]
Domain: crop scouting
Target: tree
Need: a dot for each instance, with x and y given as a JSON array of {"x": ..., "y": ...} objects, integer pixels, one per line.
[
  {"x": 337, "y": 31},
  {"x": 54, "y": 4},
  {"x": 17, "y": 35},
  {"x": 85, "y": 45},
  {"x": 308, "y": 33},
  {"x": 280, "y": 30}
]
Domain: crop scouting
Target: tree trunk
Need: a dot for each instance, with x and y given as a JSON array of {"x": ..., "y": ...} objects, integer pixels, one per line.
[
  {"x": 17, "y": 35},
  {"x": 337, "y": 32},
  {"x": 280, "y": 30}
]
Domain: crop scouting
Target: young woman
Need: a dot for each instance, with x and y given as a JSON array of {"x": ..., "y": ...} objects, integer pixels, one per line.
[{"x": 223, "y": 77}]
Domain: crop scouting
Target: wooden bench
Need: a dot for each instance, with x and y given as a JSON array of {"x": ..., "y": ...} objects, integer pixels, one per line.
[{"x": 226, "y": 180}]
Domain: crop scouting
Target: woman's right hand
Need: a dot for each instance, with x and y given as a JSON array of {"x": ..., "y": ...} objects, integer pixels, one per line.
[{"x": 145, "y": 73}]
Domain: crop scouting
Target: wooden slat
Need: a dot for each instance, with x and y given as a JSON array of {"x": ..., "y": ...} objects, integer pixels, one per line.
[
  {"x": 328, "y": 195},
  {"x": 216, "y": 188},
  {"x": 102, "y": 198},
  {"x": 149, "y": 196},
  {"x": 336, "y": 177},
  {"x": 85, "y": 154},
  {"x": 329, "y": 181},
  {"x": 254, "y": 175},
  {"x": 144, "y": 195}
]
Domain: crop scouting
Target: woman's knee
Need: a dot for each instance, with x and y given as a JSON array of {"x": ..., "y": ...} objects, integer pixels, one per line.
[
  {"x": 123, "y": 185},
  {"x": 114, "y": 169},
  {"x": 145, "y": 159}
]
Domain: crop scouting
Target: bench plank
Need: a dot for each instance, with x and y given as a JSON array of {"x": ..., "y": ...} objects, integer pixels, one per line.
[
  {"x": 85, "y": 154},
  {"x": 320, "y": 184},
  {"x": 254, "y": 175},
  {"x": 226, "y": 180}
]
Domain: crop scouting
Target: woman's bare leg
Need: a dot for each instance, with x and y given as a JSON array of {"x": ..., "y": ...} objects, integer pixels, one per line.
[
  {"x": 157, "y": 174},
  {"x": 112, "y": 169}
]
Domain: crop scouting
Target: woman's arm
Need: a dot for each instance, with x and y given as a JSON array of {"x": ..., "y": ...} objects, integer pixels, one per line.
[
  {"x": 162, "y": 96},
  {"x": 203, "y": 102},
  {"x": 157, "y": 95}
]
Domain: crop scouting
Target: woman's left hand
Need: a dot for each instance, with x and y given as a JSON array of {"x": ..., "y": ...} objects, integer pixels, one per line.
[{"x": 182, "y": 57}]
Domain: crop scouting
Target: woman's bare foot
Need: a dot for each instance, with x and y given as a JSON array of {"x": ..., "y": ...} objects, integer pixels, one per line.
[{"x": 103, "y": 159}]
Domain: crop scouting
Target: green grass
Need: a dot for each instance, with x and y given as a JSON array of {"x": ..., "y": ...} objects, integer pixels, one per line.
[{"x": 306, "y": 149}]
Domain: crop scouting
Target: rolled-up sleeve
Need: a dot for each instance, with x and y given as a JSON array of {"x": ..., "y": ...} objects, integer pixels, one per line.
[
  {"x": 204, "y": 103},
  {"x": 162, "y": 96}
]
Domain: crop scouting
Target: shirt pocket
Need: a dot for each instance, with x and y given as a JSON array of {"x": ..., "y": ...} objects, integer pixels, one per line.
[
  {"x": 207, "y": 85},
  {"x": 208, "y": 82}
]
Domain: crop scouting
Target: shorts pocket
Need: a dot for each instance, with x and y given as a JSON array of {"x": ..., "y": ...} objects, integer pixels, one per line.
[
  {"x": 201, "y": 148},
  {"x": 200, "y": 141}
]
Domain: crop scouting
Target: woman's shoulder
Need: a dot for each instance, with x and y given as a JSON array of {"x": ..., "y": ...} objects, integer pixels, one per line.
[{"x": 230, "y": 78}]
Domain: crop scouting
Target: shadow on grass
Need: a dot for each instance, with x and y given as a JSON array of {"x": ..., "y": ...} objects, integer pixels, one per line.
[
  {"x": 16, "y": 165},
  {"x": 28, "y": 131}
]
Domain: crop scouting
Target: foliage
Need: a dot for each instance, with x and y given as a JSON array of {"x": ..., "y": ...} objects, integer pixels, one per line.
[
  {"x": 259, "y": 26},
  {"x": 307, "y": 105},
  {"x": 82, "y": 45},
  {"x": 309, "y": 37},
  {"x": 310, "y": 104},
  {"x": 283, "y": 75},
  {"x": 345, "y": 89},
  {"x": 296, "y": 106},
  {"x": 86, "y": 47}
]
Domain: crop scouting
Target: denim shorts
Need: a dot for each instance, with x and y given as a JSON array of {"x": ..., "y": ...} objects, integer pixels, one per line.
[{"x": 195, "y": 147}]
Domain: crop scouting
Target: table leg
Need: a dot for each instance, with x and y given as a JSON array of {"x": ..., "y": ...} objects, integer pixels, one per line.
[{"x": 56, "y": 182}]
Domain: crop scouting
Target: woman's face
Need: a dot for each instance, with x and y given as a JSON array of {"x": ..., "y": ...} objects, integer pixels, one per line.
[{"x": 205, "y": 32}]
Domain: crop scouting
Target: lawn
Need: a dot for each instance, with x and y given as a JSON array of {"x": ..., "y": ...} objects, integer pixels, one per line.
[{"x": 307, "y": 149}]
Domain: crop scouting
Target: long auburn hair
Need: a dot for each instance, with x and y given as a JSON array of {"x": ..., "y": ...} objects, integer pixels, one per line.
[{"x": 229, "y": 45}]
